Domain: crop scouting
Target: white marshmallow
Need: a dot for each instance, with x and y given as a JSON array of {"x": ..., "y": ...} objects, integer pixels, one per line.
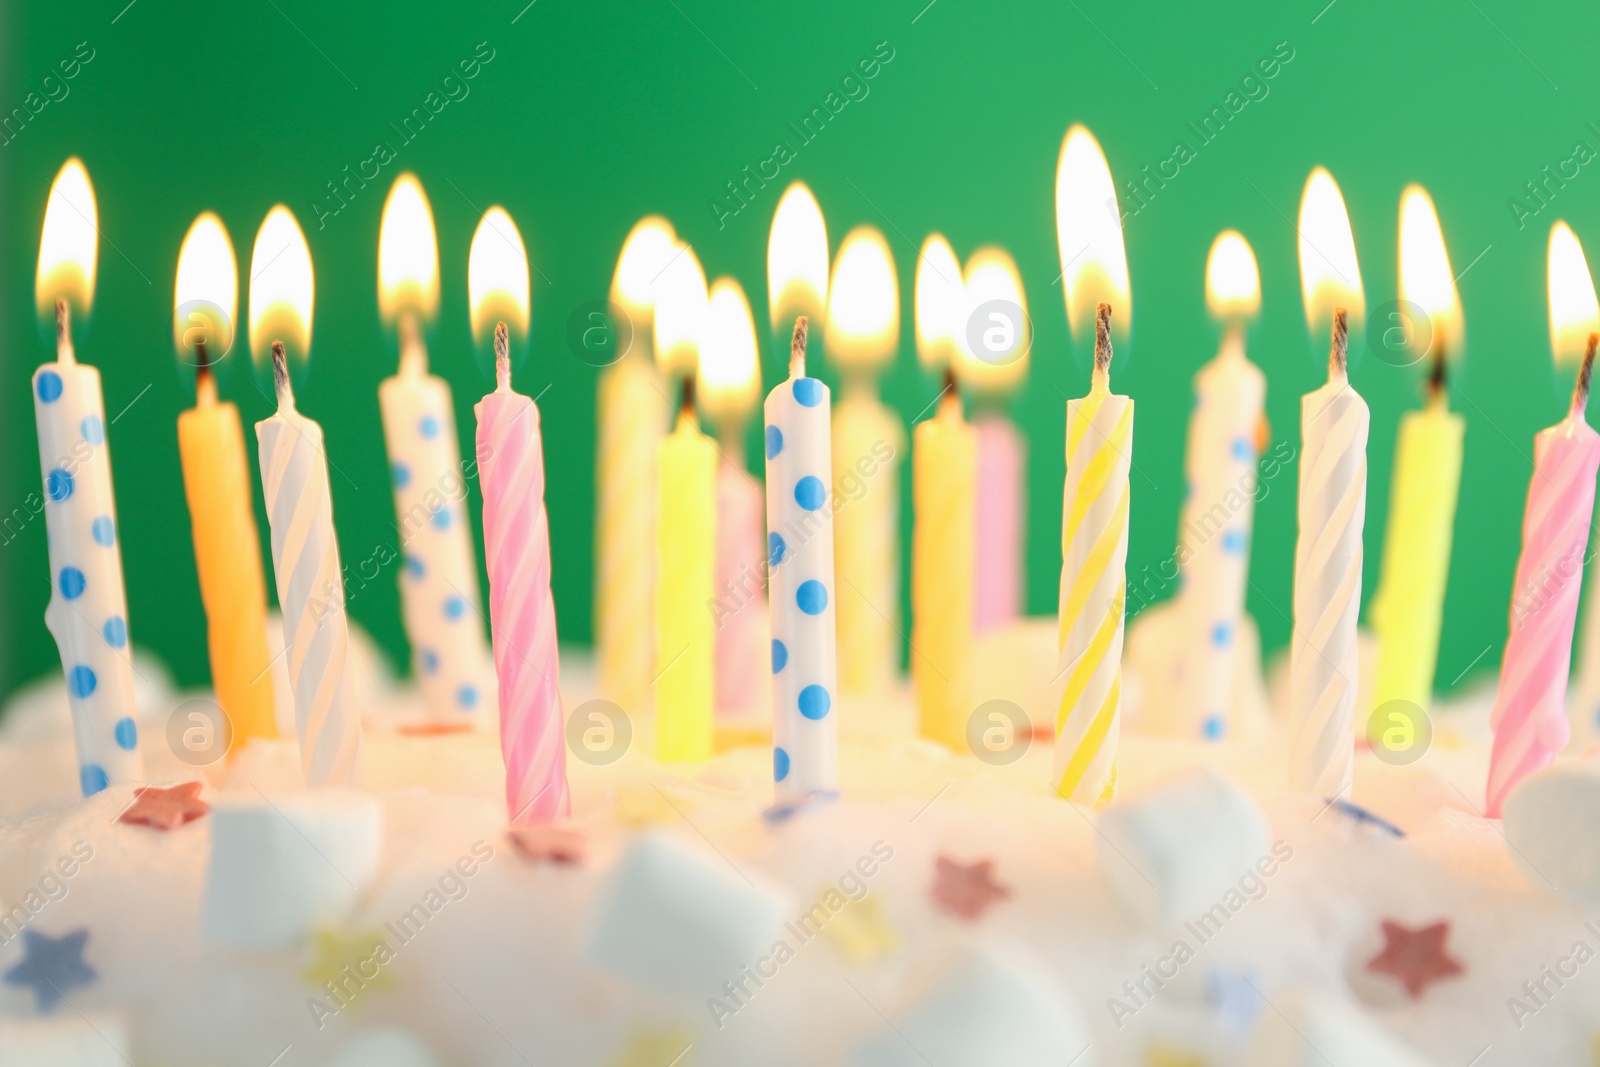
[
  {"x": 981, "y": 1009},
  {"x": 283, "y": 866},
  {"x": 64, "y": 1040},
  {"x": 1172, "y": 852},
  {"x": 1550, "y": 819},
  {"x": 1313, "y": 1030},
  {"x": 384, "y": 1047},
  {"x": 678, "y": 922}
]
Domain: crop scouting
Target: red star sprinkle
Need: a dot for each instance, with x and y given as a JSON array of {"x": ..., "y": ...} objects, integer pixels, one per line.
[
  {"x": 432, "y": 729},
  {"x": 543, "y": 842},
  {"x": 966, "y": 890},
  {"x": 165, "y": 809},
  {"x": 1417, "y": 958}
]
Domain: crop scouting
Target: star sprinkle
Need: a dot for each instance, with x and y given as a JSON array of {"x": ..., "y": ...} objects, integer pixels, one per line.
[
  {"x": 1160, "y": 1054},
  {"x": 165, "y": 809},
  {"x": 967, "y": 890},
  {"x": 1233, "y": 999},
  {"x": 352, "y": 964},
  {"x": 50, "y": 966},
  {"x": 1362, "y": 815},
  {"x": 655, "y": 1048},
  {"x": 542, "y": 842},
  {"x": 862, "y": 932},
  {"x": 1416, "y": 958},
  {"x": 433, "y": 729}
]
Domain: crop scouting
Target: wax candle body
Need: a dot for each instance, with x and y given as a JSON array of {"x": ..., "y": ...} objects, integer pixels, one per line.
[
  {"x": 868, "y": 440},
  {"x": 227, "y": 556},
  {"x": 1408, "y": 607},
  {"x": 305, "y": 560},
  {"x": 1002, "y": 460},
  {"x": 944, "y": 460},
  {"x": 631, "y": 415},
  {"x": 439, "y": 573},
  {"x": 686, "y": 571},
  {"x": 1323, "y": 666},
  {"x": 1094, "y": 593},
  {"x": 522, "y": 611},
  {"x": 1214, "y": 540},
  {"x": 741, "y": 602},
  {"x": 88, "y": 612},
  {"x": 1530, "y": 718}
]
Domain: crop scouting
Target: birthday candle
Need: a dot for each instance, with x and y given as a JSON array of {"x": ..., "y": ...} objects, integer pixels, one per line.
[
  {"x": 686, "y": 568},
  {"x": 1529, "y": 717},
  {"x": 294, "y": 481},
  {"x": 516, "y": 538},
  {"x": 88, "y": 613},
  {"x": 800, "y": 543}
]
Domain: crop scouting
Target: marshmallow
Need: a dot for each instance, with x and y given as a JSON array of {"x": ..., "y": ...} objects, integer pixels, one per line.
[
  {"x": 677, "y": 922},
  {"x": 1550, "y": 819},
  {"x": 280, "y": 868},
  {"x": 1172, "y": 853},
  {"x": 384, "y": 1047},
  {"x": 1309, "y": 1030},
  {"x": 980, "y": 1010},
  {"x": 66, "y": 1040}
]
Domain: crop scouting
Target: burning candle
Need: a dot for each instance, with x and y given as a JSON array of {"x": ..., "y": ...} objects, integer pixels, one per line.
[
  {"x": 516, "y": 537},
  {"x": 630, "y": 419},
  {"x": 1408, "y": 607},
  {"x": 1530, "y": 717},
  {"x": 216, "y": 483},
  {"x": 1323, "y": 666},
  {"x": 294, "y": 481},
  {"x": 88, "y": 612},
  {"x": 730, "y": 384},
  {"x": 1095, "y": 499},
  {"x": 439, "y": 573}
]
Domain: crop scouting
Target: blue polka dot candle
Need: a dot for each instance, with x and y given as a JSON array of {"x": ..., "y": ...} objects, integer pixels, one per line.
[
  {"x": 439, "y": 574},
  {"x": 88, "y": 612},
  {"x": 805, "y": 733}
]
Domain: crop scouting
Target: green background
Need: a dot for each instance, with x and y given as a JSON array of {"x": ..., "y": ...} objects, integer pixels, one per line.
[{"x": 593, "y": 114}]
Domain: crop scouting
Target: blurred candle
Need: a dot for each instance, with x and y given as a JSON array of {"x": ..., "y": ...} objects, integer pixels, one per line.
[
  {"x": 216, "y": 483},
  {"x": 862, "y": 340},
  {"x": 630, "y": 419},
  {"x": 294, "y": 481},
  {"x": 1219, "y": 502},
  {"x": 730, "y": 384},
  {"x": 1323, "y": 664},
  {"x": 439, "y": 573},
  {"x": 993, "y": 340},
  {"x": 1408, "y": 607},
  {"x": 1530, "y": 716},
  {"x": 516, "y": 537},
  {"x": 1096, "y": 496},
  {"x": 88, "y": 612},
  {"x": 800, "y": 548}
]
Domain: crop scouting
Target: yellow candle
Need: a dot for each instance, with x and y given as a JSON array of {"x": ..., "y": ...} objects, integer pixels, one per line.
[
  {"x": 685, "y": 587},
  {"x": 944, "y": 479}
]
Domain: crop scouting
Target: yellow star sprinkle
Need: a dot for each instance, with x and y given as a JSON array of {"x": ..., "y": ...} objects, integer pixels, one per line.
[
  {"x": 862, "y": 931},
  {"x": 1160, "y": 1055},
  {"x": 347, "y": 966},
  {"x": 655, "y": 1048}
]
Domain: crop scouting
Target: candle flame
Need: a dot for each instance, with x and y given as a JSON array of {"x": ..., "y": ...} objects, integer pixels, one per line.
[
  {"x": 1426, "y": 279},
  {"x": 1233, "y": 284},
  {"x": 939, "y": 297},
  {"x": 1330, "y": 276},
  {"x": 282, "y": 287},
  {"x": 497, "y": 277},
  {"x": 205, "y": 294},
  {"x": 408, "y": 253},
  {"x": 680, "y": 313},
  {"x": 1094, "y": 263},
  {"x": 863, "y": 303},
  {"x": 797, "y": 258},
  {"x": 645, "y": 254},
  {"x": 730, "y": 379},
  {"x": 68, "y": 243},
  {"x": 996, "y": 314},
  {"x": 1574, "y": 312}
]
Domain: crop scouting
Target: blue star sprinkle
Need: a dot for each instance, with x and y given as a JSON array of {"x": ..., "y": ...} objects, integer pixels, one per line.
[
  {"x": 51, "y": 966},
  {"x": 1233, "y": 999},
  {"x": 1362, "y": 815}
]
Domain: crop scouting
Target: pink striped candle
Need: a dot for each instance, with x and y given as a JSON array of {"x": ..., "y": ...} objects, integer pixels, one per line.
[
  {"x": 997, "y": 595},
  {"x": 1530, "y": 710},
  {"x": 741, "y": 600},
  {"x": 522, "y": 612}
]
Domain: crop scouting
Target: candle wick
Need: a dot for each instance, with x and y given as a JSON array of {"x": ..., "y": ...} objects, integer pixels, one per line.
[
  {"x": 1102, "y": 345},
  {"x": 1437, "y": 375},
  {"x": 797, "y": 348},
  {"x": 1580, "y": 390},
  {"x": 686, "y": 397},
  {"x": 413, "y": 356},
  {"x": 950, "y": 396},
  {"x": 205, "y": 386},
  {"x": 502, "y": 356},
  {"x": 64, "y": 352},
  {"x": 1339, "y": 350},
  {"x": 280, "y": 377}
]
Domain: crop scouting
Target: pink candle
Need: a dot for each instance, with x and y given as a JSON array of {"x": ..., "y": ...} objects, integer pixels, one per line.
[
  {"x": 1530, "y": 716},
  {"x": 741, "y": 605},
  {"x": 522, "y": 612},
  {"x": 998, "y": 593}
]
